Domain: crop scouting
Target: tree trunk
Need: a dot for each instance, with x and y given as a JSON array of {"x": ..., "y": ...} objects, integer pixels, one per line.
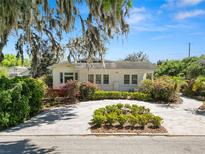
[{"x": 1, "y": 52}]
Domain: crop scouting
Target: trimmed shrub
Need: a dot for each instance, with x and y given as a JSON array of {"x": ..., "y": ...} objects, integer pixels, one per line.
[
  {"x": 98, "y": 120},
  {"x": 121, "y": 119},
  {"x": 87, "y": 89},
  {"x": 140, "y": 96},
  {"x": 111, "y": 118},
  {"x": 100, "y": 111},
  {"x": 142, "y": 121},
  {"x": 100, "y": 95},
  {"x": 133, "y": 120},
  {"x": 119, "y": 106},
  {"x": 156, "y": 121}
]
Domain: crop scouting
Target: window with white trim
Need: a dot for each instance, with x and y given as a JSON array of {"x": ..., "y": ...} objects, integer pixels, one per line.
[
  {"x": 134, "y": 79},
  {"x": 66, "y": 76},
  {"x": 126, "y": 79},
  {"x": 98, "y": 79},
  {"x": 91, "y": 78},
  {"x": 105, "y": 79}
]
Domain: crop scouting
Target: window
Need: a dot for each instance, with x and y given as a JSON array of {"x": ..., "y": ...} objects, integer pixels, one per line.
[
  {"x": 76, "y": 76},
  {"x": 91, "y": 78},
  {"x": 66, "y": 76},
  {"x": 149, "y": 76},
  {"x": 126, "y": 79},
  {"x": 105, "y": 79},
  {"x": 61, "y": 77},
  {"x": 98, "y": 79},
  {"x": 134, "y": 79}
]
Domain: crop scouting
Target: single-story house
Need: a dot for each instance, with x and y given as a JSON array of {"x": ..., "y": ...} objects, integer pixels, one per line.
[{"x": 112, "y": 76}]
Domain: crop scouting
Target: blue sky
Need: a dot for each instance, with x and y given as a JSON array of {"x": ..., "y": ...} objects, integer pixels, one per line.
[{"x": 160, "y": 28}]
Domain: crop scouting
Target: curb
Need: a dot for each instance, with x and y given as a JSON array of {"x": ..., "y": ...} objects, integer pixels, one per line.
[{"x": 107, "y": 134}]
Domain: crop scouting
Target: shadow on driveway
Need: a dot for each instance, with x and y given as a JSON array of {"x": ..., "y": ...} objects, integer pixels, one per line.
[
  {"x": 48, "y": 117},
  {"x": 22, "y": 147}
]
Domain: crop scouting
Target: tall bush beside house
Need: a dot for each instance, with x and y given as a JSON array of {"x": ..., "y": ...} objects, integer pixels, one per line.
[
  {"x": 19, "y": 108},
  {"x": 164, "y": 91},
  {"x": 20, "y": 98},
  {"x": 178, "y": 82},
  {"x": 161, "y": 89},
  {"x": 35, "y": 89},
  {"x": 5, "y": 103},
  {"x": 14, "y": 106},
  {"x": 147, "y": 87},
  {"x": 87, "y": 89}
]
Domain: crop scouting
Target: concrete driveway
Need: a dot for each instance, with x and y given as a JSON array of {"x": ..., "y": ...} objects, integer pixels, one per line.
[{"x": 73, "y": 119}]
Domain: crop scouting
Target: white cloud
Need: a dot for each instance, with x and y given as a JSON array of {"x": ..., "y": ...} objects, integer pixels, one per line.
[
  {"x": 137, "y": 15},
  {"x": 189, "y": 14},
  {"x": 189, "y": 2},
  {"x": 181, "y": 3}
]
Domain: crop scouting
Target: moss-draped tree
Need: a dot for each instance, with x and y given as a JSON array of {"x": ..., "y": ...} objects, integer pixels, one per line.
[{"x": 38, "y": 18}]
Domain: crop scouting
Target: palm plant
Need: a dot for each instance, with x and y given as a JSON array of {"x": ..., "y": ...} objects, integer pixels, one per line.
[{"x": 178, "y": 82}]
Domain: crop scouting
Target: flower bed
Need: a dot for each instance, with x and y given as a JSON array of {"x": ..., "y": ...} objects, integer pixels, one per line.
[{"x": 127, "y": 119}]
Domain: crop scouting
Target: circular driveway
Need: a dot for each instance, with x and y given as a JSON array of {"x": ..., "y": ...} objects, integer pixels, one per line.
[{"x": 179, "y": 119}]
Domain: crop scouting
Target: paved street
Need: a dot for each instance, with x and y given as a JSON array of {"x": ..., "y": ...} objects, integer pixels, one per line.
[{"x": 98, "y": 145}]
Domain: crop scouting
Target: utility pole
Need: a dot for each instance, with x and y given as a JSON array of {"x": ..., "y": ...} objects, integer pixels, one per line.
[{"x": 189, "y": 54}]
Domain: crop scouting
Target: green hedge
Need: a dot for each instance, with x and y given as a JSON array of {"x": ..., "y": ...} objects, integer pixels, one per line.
[
  {"x": 99, "y": 95},
  {"x": 20, "y": 98}
]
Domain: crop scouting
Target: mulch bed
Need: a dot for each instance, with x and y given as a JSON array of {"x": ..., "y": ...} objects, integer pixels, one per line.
[
  {"x": 107, "y": 129},
  {"x": 57, "y": 102}
]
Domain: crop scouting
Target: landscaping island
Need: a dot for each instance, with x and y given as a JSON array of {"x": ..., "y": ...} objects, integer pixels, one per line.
[{"x": 125, "y": 118}]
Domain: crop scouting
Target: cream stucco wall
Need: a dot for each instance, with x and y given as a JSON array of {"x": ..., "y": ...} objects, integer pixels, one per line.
[{"x": 116, "y": 76}]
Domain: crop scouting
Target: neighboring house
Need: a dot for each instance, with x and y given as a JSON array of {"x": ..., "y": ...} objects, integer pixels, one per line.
[
  {"x": 18, "y": 71},
  {"x": 119, "y": 75},
  {"x": 202, "y": 61}
]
